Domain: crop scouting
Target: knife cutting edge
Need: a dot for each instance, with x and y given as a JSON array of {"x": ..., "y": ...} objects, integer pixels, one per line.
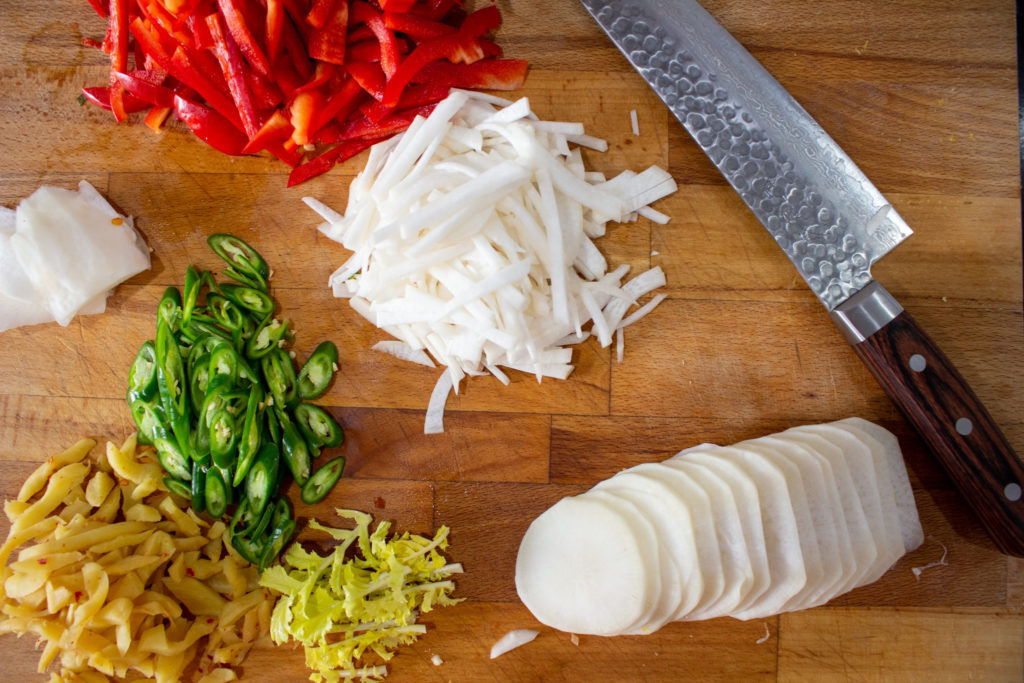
[{"x": 831, "y": 222}]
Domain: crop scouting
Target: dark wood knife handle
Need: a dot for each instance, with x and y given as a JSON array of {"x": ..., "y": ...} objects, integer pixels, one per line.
[{"x": 953, "y": 423}]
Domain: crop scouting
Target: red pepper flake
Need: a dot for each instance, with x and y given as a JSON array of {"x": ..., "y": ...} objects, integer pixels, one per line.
[
  {"x": 209, "y": 620},
  {"x": 78, "y": 595},
  {"x": 189, "y": 571},
  {"x": 117, "y": 221},
  {"x": 378, "y": 502},
  {"x": 41, "y": 560}
]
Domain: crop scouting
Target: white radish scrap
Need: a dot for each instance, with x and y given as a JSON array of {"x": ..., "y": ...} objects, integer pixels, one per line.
[{"x": 472, "y": 238}]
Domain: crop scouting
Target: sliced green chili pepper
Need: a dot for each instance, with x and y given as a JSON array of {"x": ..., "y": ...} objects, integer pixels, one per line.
[
  {"x": 193, "y": 283},
  {"x": 295, "y": 450},
  {"x": 266, "y": 338},
  {"x": 169, "y": 308},
  {"x": 199, "y": 377},
  {"x": 224, "y": 362},
  {"x": 149, "y": 421},
  {"x": 198, "y": 491},
  {"x": 251, "y": 281},
  {"x": 243, "y": 334},
  {"x": 223, "y": 438},
  {"x": 282, "y": 513},
  {"x": 171, "y": 385},
  {"x": 279, "y": 374},
  {"x": 318, "y": 426},
  {"x": 200, "y": 325},
  {"x": 142, "y": 374},
  {"x": 171, "y": 458},
  {"x": 243, "y": 521},
  {"x": 217, "y": 493},
  {"x": 263, "y": 523},
  {"x": 276, "y": 541},
  {"x": 262, "y": 476},
  {"x": 226, "y": 312},
  {"x": 251, "y": 438},
  {"x": 250, "y": 550},
  {"x": 249, "y": 298},
  {"x": 323, "y": 480},
  {"x": 318, "y": 370},
  {"x": 178, "y": 488},
  {"x": 239, "y": 255}
]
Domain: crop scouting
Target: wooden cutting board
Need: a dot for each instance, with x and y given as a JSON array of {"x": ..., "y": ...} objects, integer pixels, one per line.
[{"x": 920, "y": 94}]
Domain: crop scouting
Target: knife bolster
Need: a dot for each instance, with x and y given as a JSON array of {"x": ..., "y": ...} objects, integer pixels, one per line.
[{"x": 869, "y": 309}]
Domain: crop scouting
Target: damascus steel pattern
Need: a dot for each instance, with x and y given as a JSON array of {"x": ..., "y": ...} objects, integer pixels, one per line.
[{"x": 827, "y": 217}]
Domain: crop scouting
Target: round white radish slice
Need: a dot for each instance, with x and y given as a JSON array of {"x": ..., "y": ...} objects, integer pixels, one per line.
[
  {"x": 660, "y": 570},
  {"x": 781, "y": 533},
  {"x": 807, "y": 485},
  {"x": 864, "y": 543},
  {"x": 673, "y": 522},
  {"x": 880, "y": 510},
  {"x": 582, "y": 569},
  {"x": 892, "y": 462},
  {"x": 827, "y": 510},
  {"x": 748, "y": 505},
  {"x": 737, "y": 568}
]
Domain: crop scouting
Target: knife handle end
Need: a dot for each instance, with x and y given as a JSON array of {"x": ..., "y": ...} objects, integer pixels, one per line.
[{"x": 953, "y": 423}]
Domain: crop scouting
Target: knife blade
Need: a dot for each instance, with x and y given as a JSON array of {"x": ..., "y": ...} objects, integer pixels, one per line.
[{"x": 831, "y": 222}]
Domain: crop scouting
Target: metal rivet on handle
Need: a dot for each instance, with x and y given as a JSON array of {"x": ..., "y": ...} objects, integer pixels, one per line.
[
  {"x": 918, "y": 363},
  {"x": 1012, "y": 491},
  {"x": 964, "y": 426}
]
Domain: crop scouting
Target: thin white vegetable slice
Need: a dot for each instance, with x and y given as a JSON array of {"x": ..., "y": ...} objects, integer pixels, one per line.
[
  {"x": 827, "y": 512},
  {"x": 892, "y": 462},
  {"x": 880, "y": 509},
  {"x": 663, "y": 581},
  {"x": 748, "y": 504},
  {"x": 506, "y": 643},
  {"x": 815, "y": 521},
  {"x": 862, "y": 530},
  {"x": 682, "y": 579},
  {"x": 434, "y": 422},
  {"x": 737, "y": 568},
  {"x": 581, "y": 569},
  {"x": 787, "y": 571}
]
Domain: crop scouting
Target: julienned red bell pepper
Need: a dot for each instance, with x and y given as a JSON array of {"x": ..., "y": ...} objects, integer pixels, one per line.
[
  {"x": 396, "y": 5},
  {"x": 234, "y": 18},
  {"x": 118, "y": 31},
  {"x": 235, "y": 73},
  {"x": 339, "y": 105},
  {"x": 413, "y": 96},
  {"x": 417, "y": 27},
  {"x": 276, "y": 128},
  {"x": 304, "y": 107},
  {"x": 275, "y": 28},
  {"x": 487, "y": 74},
  {"x": 327, "y": 43},
  {"x": 210, "y": 127},
  {"x": 369, "y": 76},
  {"x": 146, "y": 91},
  {"x": 388, "y": 45},
  {"x": 100, "y": 96},
  {"x": 320, "y": 12},
  {"x": 324, "y": 162}
]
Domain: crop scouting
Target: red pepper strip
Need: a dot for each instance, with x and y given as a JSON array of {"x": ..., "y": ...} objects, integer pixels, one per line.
[
  {"x": 297, "y": 11},
  {"x": 490, "y": 48},
  {"x": 363, "y": 51},
  {"x": 413, "y": 96},
  {"x": 275, "y": 27},
  {"x": 286, "y": 79},
  {"x": 323, "y": 73},
  {"x": 183, "y": 69},
  {"x": 396, "y": 5},
  {"x": 231, "y": 64},
  {"x": 363, "y": 127},
  {"x": 100, "y": 96},
  {"x": 156, "y": 117},
  {"x": 158, "y": 16},
  {"x": 487, "y": 74},
  {"x": 118, "y": 55},
  {"x": 369, "y": 76},
  {"x": 201, "y": 38},
  {"x": 419, "y": 28},
  {"x": 328, "y": 42},
  {"x": 320, "y": 12},
  {"x": 265, "y": 92},
  {"x": 210, "y": 127},
  {"x": 388, "y": 45},
  {"x": 343, "y": 102},
  {"x": 361, "y": 32},
  {"x": 234, "y": 18},
  {"x": 481, "y": 22},
  {"x": 303, "y": 110},
  {"x": 426, "y": 52},
  {"x": 295, "y": 47},
  {"x": 100, "y": 7},
  {"x": 360, "y": 11},
  {"x": 323, "y": 163},
  {"x": 151, "y": 93},
  {"x": 275, "y": 129},
  {"x": 288, "y": 156},
  {"x": 432, "y": 9}
]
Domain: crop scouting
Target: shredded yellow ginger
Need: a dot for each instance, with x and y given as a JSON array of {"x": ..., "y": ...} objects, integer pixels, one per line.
[{"x": 339, "y": 607}]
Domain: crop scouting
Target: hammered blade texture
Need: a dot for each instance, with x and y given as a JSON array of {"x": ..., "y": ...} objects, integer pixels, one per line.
[{"x": 819, "y": 207}]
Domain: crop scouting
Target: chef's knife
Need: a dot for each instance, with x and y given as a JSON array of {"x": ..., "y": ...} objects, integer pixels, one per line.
[{"x": 831, "y": 222}]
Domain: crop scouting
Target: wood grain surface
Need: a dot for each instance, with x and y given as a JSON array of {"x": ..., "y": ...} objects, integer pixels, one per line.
[{"x": 921, "y": 94}]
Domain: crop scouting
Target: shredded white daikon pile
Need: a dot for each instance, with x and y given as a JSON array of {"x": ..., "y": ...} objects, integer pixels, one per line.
[
  {"x": 473, "y": 243},
  {"x": 61, "y": 252}
]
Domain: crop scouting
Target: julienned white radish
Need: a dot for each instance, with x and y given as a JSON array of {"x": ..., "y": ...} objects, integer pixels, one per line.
[
  {"x": 512, "y": 640},
  {"x": 472, "y": 239},
  {"x": 785, "y": 522}
]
